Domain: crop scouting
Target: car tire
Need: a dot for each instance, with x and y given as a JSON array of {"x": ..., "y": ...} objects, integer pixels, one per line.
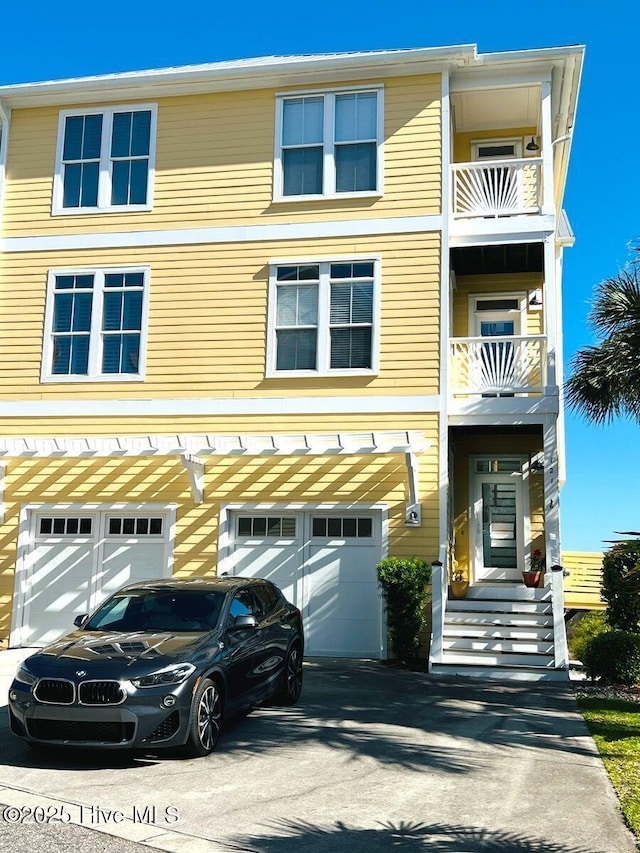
[
  {"x": 206, "y": 719},
  {"x": 291, "y": 686}
]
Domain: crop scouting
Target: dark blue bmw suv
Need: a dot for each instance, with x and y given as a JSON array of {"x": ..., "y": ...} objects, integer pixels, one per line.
[{"x": 160, "y": 664}]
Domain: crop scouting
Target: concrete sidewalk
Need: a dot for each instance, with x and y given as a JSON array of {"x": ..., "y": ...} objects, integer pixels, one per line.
[{"x": 372, "y": 758}]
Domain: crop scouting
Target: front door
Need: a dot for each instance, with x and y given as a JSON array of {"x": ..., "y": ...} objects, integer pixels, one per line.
[
  {"x": 497, "y": 319},
  {"x": 498, "y": 525}
]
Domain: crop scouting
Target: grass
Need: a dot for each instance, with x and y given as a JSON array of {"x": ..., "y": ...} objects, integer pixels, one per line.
[{"x": 615, "y": 726}]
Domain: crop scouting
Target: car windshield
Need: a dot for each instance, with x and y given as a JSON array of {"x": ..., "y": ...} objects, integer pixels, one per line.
[{"x": 154, "y": 610}]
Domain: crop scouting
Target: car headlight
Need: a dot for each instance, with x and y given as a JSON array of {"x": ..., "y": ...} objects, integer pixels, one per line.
[
  {"x": 24, "y": 676},
  {"x": 174, "y": 674}
]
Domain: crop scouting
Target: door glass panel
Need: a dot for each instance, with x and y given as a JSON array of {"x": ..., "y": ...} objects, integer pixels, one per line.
[
  {"x": 499, "y": 545},
  {"x": 497, "y": 328}
]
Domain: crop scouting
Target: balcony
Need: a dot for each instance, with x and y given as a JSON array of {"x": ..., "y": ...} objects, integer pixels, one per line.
[
  {"x": 497, "y": 188},
  {"x": 498, "y": 366}
]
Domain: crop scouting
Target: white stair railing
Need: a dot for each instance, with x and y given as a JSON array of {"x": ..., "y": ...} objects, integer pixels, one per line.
[
  {"x": 497, "y": 187},
  {"x": 439, "y": 591},
  {"x": 561, "y": 650},
  {"x": 510, "y": 364}
]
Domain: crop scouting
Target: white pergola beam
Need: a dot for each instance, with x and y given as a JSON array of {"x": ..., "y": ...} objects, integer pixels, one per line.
[{"x": 195, "y": 469}]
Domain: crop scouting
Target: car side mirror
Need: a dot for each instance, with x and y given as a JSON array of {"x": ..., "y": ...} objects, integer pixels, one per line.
[
  {"x": 244, "y": 621},
  {"x": 80, "y": 620}
]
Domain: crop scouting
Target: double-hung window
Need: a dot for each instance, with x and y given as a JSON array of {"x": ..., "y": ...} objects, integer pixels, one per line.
[
  {"x": 95, "y": 325},
  {"x": 323, "y": 318},
  {"x": 329, "y": 144},
  {"x": 105, "y": 160}
]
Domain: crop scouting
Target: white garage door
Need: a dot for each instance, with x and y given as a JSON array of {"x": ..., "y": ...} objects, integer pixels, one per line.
[
  {"x": 74, "y": 561},
  {"x": 326, "y": 565}
]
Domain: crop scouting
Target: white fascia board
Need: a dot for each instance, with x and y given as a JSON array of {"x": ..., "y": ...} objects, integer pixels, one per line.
[
  {"x": 565, "y": 235},
  {"x": 508, "y": 411},
  {"x": 549, "y": 54},
  {"x": 260, "y": 72},
  {"x": 510, "y": 229},
  {"x": 225, "y": 234},
  {"x": 221, "y": 406},
  {"x": 473, "y": 78}
]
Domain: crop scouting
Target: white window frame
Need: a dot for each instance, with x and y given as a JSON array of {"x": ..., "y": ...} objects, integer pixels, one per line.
[
  {"x": 94, "y": 373},
  {"x": 516, "y": 141},
  {"x": 328, "y": 145},
  {"x": 323, "y": 351},
  {"x": 518, "y": 315},
  {"x": 105, "y": 167}
]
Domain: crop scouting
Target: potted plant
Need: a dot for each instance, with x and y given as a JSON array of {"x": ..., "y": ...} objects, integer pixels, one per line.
[
  {"x": 458, "y": 583},
  {"x": 532, "y": 577}
]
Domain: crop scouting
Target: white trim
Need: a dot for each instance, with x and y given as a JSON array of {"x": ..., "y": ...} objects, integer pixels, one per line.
[
  {"x": 445, "y": 334},
  {"x": 96, "y": 336},
  {"x": 195, "y": 469},
  {"x": 5, "y": 127},
  {"x": 548, "y": 181},
  {"x": 328, "y": 144},
  {"x": 502, "y": 229},
  {"x": 190, "y": 445},
  {"x": 468, "y": 79},
  {"x": 516, "y": 141},
  {"x": 231, "y": 406},
  {"x": 323, "y": 327},
  {"x": 106, "y": 162},
  {"x": 225, "y": 535},
  {"x": 27, "y": 538},
  {"x": 227, "y": 234},
  {"x": 501, "y": 411},
  {"x": 519, "y": 315}
]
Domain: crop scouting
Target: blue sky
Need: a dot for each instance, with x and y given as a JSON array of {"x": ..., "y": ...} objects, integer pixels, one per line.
[{"x": 46, "y": 41}]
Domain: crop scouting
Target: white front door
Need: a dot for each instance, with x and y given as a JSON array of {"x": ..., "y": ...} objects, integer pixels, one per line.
[
  {"x": 498, "y": 522},
  {"x": 324, "y": 563}
]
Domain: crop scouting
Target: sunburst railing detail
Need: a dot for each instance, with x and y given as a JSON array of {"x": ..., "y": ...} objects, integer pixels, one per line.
[
  {"x": 511, "y": 364},
  {"x": 497, "y": 187}
]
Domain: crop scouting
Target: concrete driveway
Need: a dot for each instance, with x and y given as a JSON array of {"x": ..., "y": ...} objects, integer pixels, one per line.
[{"x": 371, "y": 759}]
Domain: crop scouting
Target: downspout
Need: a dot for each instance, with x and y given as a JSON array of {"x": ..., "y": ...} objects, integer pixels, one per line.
[{"x": 5, "y": 115}]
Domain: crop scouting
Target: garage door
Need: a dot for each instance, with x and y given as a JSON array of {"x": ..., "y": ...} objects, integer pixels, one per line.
[
  {"x": 74, "y": 561},
  {"x": 326, "y": 565}
]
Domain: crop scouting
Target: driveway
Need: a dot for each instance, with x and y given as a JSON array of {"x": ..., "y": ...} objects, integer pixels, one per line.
[{"x": 371, "y": 759}]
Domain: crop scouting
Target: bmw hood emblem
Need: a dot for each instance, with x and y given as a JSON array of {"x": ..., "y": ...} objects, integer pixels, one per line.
[{"x": 81, "y": 673}]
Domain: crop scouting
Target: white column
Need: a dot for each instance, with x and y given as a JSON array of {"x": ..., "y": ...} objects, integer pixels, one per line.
[
  {"x": 548, "y": 201},
  {"x": 550, "y": 298},
  {"x": 438, "y": 608},
  {"x": 551, "y": 491}
]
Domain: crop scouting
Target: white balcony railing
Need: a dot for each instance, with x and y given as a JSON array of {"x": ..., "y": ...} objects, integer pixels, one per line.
[
  {"x": 497, "y": 187},
  {"x": 498, "y": 365}
]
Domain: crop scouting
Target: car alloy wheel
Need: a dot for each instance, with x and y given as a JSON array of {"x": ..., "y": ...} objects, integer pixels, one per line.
[
  {"x": 206, "y": 719},
  {"x": 292, "y": 683}
]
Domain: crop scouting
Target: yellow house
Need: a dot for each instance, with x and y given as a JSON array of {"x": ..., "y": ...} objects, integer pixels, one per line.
[{"x": 285, "y": 317}]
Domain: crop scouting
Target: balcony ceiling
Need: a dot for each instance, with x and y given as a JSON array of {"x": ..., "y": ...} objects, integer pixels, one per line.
[{"x": 496, "y": 109}]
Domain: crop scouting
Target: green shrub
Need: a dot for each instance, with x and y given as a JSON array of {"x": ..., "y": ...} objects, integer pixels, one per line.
[
  {"x": 403, "y": 582},
  {"x": 620, "y": 585},
  {"x": 613, "y": 657},
  {"x": 590, "y": 625}
]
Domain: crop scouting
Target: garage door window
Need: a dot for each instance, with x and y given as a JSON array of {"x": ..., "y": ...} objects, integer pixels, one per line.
[
  {"x": 337, "y": 527},
  {"x": 139, "y": 526},
  {"x": 271, "y": 526},
  {"x": 65, "y": 526}
]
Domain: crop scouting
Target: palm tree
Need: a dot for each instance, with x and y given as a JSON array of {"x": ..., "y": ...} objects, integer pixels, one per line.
[{"x": 605, "y": 378}]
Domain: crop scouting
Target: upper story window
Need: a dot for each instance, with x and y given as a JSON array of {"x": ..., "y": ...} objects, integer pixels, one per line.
[
  {"x": 105, "y": 160},
  {"x": 95, "y": 325},
  {"x": 329, "y": 144},
  {"x": 323, "y": 318}
]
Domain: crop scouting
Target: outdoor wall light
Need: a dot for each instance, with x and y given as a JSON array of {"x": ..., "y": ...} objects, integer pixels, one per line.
[
  {"x": 535, "y": 299},
  {"x": 533, "y": 145},
  {"x": 537, "y": 466}
]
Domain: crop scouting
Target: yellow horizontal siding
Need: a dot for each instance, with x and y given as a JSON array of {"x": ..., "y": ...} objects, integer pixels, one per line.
[
  {"x": 379, "y": 479},
  {"x": 214, "y": 165},
  {"x": 208, "y": 319}
]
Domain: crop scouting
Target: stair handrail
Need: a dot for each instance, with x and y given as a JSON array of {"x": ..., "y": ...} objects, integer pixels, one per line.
[
  {"x": 560, "y": 648},
  {"x": 439, "y": 591}
]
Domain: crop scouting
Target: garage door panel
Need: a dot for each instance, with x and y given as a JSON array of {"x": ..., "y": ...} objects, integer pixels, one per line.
[
  {"x": 329, "y": 574},
  {"x": 279, "y": 564},
  {"x": 58, "y": 589},
  {"x": 129, "y": 562}
]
